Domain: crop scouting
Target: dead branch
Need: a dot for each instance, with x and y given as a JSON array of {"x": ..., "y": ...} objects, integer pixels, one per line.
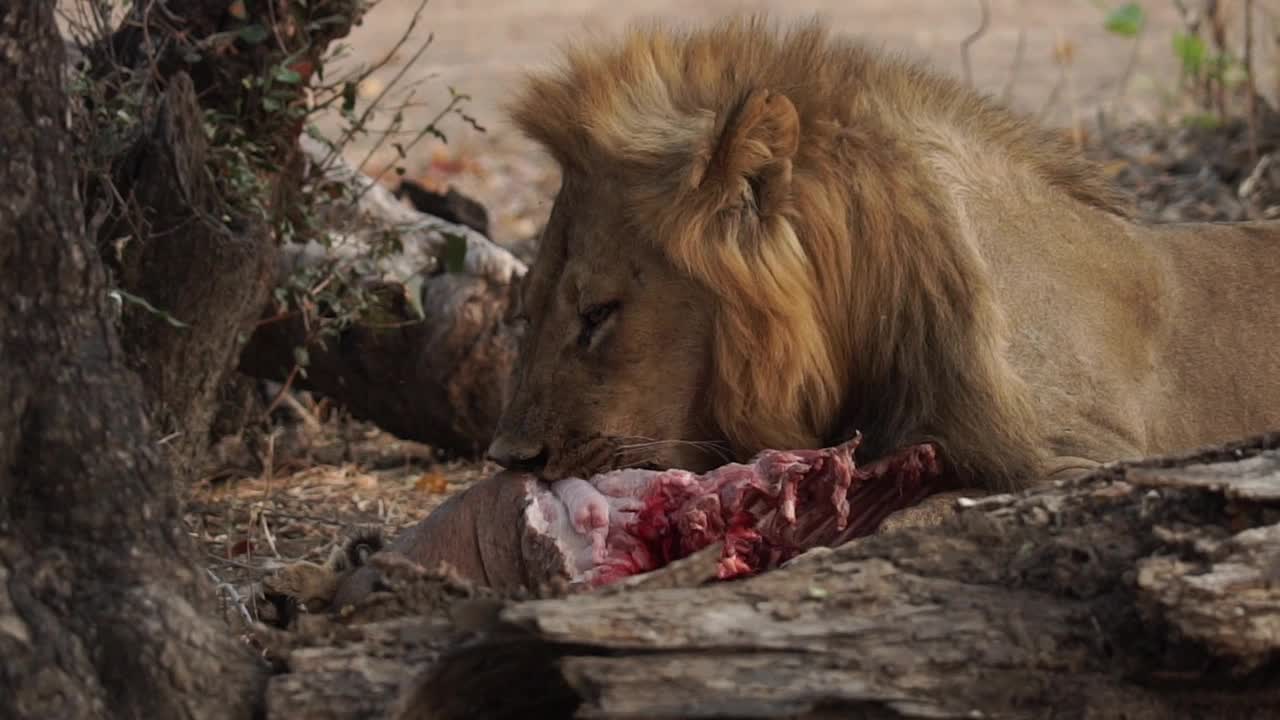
[
  {"x": 429, "y": 360},
  {"x": 426, "y": 233},
  {"x": 1015, "y": 66},
  {"x": 973, "y": 38},
  {"x": 1251, "y": 85},
  {"x": 437, "y": 378}
]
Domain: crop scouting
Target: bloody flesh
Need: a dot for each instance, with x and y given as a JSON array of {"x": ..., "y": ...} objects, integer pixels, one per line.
[{"x": 765, "y": 511}]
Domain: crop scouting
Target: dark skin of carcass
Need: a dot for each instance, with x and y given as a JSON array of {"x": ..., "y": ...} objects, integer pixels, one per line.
[{"x": 477, "y": 532}]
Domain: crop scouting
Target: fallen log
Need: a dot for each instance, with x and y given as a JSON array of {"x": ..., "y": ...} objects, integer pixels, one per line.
[
  {"x": 437, "y": 379},
  {"x": 421, "y": 234},
  {"x": 429, "y": 363},
  {"x": 1146, "y": 590}
]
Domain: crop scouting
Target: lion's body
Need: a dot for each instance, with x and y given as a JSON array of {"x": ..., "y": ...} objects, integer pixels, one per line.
[
  {"x": 1134, "y": 340},
  {"x": 831, "y": 241}
]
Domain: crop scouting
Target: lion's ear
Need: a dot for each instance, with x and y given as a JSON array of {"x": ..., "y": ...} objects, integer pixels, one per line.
[{"x": 753, "y": 151}]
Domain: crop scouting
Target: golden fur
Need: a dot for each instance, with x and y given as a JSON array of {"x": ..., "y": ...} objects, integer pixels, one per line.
[{"x": 790, "y": 237}]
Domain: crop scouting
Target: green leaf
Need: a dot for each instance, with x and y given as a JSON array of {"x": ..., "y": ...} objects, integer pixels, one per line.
[
  {"x": 455, "y": 253},
  {"x": 301, "y": 357},
  {"x": 253, "y": 34},
  {"x": 1190, "y": 51},
  {"x": 1126, "y": 20},
  {"x": 270, "y": 104},
  {"x": 287, "y": 75}
]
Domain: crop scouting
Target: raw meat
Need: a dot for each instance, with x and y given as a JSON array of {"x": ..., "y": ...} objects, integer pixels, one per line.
[
  {"x": 512, "y": 530},
  {"x": 782, "y": 503}
]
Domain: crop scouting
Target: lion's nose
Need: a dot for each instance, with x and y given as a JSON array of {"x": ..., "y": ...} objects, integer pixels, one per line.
[{"x": 520, "y": 456}]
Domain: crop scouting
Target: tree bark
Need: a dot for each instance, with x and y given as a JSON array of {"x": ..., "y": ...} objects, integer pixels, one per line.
[
  {"x": 1146, "y": 591},
  {"x": 168, "y": 233},
  {"x": 102, "y": 614},
  {"x": 184, "y": 259}
]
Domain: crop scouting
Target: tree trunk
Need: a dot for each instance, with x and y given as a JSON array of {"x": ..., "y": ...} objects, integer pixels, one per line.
[
  {"x": 1147, "y": 591},
  {"x": 186, "y": 222},
  {"x": 102, "y": 613},
  {"x": 212, "y": 276}
]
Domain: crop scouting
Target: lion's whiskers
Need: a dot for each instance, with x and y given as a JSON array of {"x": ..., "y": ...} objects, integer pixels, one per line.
[
  {"x": 642, "y": 441},
  {"x": 643, "y": 448}
]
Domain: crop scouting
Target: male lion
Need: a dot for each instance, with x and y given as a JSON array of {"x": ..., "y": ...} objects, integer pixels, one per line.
[{"x": 773, "y": 239}]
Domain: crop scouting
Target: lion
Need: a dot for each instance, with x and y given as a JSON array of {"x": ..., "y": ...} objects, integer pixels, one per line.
[{"x": 771, "y": 237}]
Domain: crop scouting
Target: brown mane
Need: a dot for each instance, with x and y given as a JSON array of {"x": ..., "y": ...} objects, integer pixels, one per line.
[{"x": 853, "y": 300}]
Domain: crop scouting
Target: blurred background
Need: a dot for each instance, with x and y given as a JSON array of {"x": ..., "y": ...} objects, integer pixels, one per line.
[{"x": 1065, "y": 61}]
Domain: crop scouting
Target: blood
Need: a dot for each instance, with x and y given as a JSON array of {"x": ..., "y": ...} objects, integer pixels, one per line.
[{"x": 766, "y": 511}]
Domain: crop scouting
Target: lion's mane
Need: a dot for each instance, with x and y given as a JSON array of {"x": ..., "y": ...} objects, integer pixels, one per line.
[{"x": 788, "y": 171}]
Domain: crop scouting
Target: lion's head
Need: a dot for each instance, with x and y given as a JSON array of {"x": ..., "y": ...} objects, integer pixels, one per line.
[
  {"x": 671, "y": 310},
  {"x": 615, "y": 350},
  {"x": 745, "y": 253}
]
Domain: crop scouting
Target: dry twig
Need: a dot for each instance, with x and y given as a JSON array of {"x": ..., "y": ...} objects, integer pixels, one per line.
[
  {"x": 1251, "y": 86},
  {"x": 1006, "y": 95},
  {"x": 973, "y": 37},
  {"x": 233, "y": 595}
]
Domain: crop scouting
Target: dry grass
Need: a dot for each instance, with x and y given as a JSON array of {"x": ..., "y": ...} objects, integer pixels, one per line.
[{"x": 337, "y": 476}]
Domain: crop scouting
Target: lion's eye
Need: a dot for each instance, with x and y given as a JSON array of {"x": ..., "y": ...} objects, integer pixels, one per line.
[
  {"x": 594, "y": 316},
  {"x": 597, "y": 314}
]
